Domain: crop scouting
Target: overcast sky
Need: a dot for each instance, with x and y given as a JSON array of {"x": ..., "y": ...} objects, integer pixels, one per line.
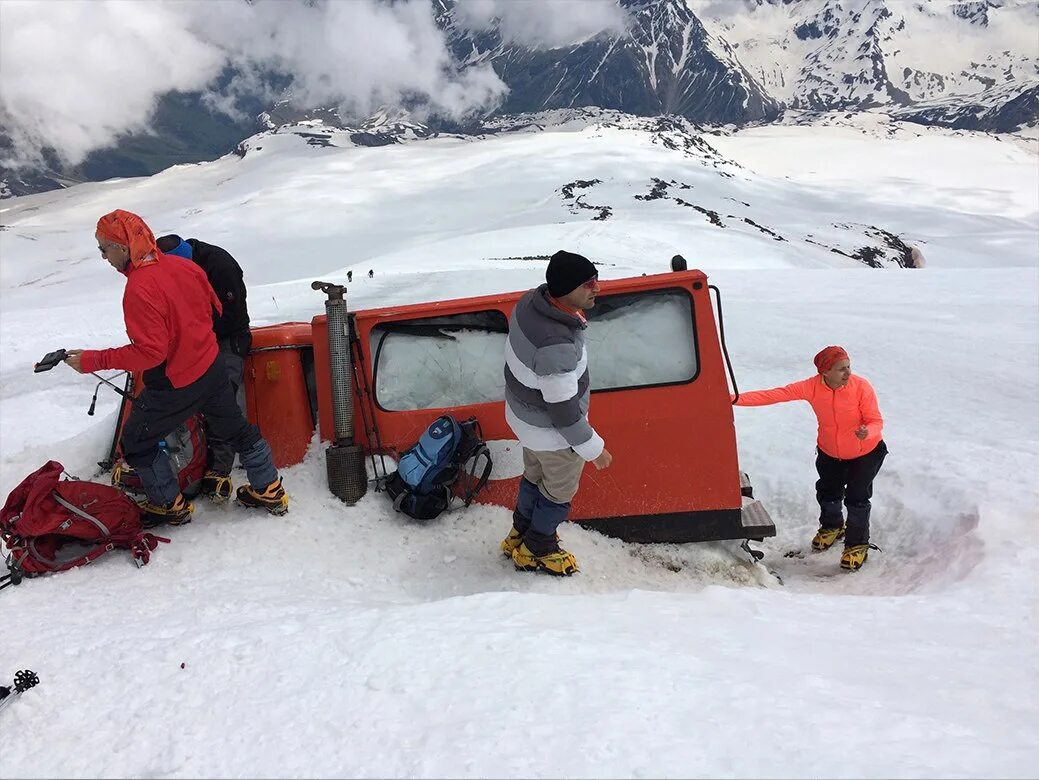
[{"x": 75, "y": 74}]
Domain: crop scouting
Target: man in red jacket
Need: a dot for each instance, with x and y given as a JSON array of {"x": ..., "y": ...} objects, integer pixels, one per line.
[{"x": 168, "y": 308}]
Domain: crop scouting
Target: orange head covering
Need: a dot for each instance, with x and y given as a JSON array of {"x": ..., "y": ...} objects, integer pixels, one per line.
[
  {"x": 828, "y": 357},
  {"x": 128, "y": 229}
]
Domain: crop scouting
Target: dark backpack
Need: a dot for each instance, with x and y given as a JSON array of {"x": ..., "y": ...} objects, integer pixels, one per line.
[
  {"x": 50, "y": 525},
  {"x": 421, "y": 485},
  {"x": 186, "y": 448}
]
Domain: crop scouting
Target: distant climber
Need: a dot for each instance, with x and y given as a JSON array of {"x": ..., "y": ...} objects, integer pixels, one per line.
[
  {"x": 546, "y": 405},
  {"x": 349, "y": 276},
  {"x": 233, "y": 338},
  {"x": 850, "y": 449},
  {"x": 371, "y": 274}
]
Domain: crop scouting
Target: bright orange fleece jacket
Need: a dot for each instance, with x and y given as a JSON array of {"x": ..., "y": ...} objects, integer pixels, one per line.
[{"x": 840, "y": 412}]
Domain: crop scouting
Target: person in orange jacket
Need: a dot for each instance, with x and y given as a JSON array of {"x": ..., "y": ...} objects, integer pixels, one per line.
[{"x": 850, "y": 448}]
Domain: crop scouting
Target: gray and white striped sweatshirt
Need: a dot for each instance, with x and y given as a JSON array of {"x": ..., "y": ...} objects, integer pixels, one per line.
[{"x": 546, "y": 378}]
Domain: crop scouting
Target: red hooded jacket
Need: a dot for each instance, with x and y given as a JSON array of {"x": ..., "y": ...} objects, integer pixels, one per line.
[{"x": 168, "y": 307}]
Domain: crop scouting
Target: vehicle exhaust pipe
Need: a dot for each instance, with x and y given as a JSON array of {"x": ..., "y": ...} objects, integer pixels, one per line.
[{"x": 347, "y": 476}]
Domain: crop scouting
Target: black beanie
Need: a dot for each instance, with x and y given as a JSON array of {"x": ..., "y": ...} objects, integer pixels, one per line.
[{"x": 568, "y": 271}]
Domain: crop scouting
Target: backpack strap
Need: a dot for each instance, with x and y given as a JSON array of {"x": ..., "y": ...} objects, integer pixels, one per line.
[
  {"x": 83, "y": 560},
  {"x": 82, "y": 513},
  {"x": 471, "y": 491},
  {"x": 141, "y": 547}
]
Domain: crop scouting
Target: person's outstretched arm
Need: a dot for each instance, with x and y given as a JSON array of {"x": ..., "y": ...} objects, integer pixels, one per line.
[{"x": 797, "y": 391}]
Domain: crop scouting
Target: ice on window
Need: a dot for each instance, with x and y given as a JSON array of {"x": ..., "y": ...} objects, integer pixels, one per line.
[
  {"x": 641, "y": 339},
  {"x": 633, "y": 340},
  {"x": 440, "y": 361}
]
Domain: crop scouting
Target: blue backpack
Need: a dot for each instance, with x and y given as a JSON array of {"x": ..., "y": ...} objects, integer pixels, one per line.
[{"x": 421, "y": 485}]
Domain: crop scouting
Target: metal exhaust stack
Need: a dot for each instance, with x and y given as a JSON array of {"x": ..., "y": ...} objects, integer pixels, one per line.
[{"x": 347, "y": 477}]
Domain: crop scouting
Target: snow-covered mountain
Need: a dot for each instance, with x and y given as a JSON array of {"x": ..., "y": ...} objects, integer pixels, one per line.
[
  {"x": 971, "y": 65},
  {"x": 998, "y": 109},
  {"x": 666, "y": 62},
  {"x": 857, "y": 54}
]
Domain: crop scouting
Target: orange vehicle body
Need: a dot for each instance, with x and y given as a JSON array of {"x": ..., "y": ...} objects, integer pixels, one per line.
[{"x": 674, "y": 477}]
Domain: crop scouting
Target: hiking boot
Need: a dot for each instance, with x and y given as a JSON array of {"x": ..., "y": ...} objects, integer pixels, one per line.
[
  {"x": 216, "y": 486},
  {"x": 511, "y": 542},
  {"x": 560, "y": 562},
  {"x": 825, "y": 538},
  {"x": 177, "y": 512},
  {"x": 853, "y": 557},
  {"x": 272, "y": 498},
  {"x": 514, "y": 540}
]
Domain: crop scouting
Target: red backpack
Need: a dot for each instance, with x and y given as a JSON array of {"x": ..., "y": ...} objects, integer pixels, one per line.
[
  {"x": 52, "y": 525},
  {"x": 186, "y": 448}
]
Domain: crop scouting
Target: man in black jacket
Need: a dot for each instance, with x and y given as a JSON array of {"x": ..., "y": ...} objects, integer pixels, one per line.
[{"x": 233, "y": 338}]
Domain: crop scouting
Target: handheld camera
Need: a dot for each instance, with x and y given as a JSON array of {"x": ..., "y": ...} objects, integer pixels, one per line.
[{"x": 50, "y": 360}]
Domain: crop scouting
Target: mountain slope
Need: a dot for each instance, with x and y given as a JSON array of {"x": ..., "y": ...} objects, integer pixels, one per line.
[
  {"x": 966, "y": 65},
  {"x": 344, "y": 641},
  {"x": 854, "y": 54},
  {"x": 666, "y": 63}
]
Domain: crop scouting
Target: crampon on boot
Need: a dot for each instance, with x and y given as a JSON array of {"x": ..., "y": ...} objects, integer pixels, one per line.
[
  {"x": 177, "y": 512},
  {"x": 854, "y": 556},
  {"x": 825, "y": 538},
  {"x": 511, "y": 542},
  {"x": 272, "y": 498},
  {"x": 559, "y": 562},
  {"x": 216, "y": 486}
]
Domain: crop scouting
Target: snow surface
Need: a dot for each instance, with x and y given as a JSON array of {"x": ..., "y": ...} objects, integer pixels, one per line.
[{"x": 344, "y": 641}]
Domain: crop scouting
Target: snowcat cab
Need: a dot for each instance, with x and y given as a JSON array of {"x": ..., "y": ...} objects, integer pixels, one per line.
[{"x": 373, "y": 380}]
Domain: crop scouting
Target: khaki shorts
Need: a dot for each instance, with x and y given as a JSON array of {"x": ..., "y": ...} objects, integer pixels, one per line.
[{"x": 557, "y": 473}]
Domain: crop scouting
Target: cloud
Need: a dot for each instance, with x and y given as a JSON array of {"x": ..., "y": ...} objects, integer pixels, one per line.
[
  {"x": 77, "y": 74},
  {"x": 74, "y": 75},
  {"x": 545, "y": 24}
]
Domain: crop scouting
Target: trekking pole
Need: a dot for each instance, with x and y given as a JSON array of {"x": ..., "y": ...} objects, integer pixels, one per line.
[
  {"x": 51, "y": 359},
  {"x": 371, "y": 428},
  {"x": 107, "y": 463},
  {"x": 93, "y": 401},
  {"x": 23, "y": 681}
]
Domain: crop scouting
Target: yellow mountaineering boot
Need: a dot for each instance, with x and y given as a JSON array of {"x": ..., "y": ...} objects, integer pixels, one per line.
[
  {"x": 511, "y": 542},
  {"x": 825, "y": 538},
  {"x": 177, "y": 512},
  {"x": 514, "y": 540},
  {"x": 559, "y": 562},
  {"x": 853, "y": 557},
  {"x": 272, "y": 498}
]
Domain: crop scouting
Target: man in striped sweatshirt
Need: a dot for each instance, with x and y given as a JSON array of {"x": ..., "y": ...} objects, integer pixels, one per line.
[{"x": 546, "y": 405}]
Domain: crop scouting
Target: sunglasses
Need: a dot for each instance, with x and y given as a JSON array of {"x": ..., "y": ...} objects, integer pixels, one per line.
[{"x": 591, "y": 284}]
